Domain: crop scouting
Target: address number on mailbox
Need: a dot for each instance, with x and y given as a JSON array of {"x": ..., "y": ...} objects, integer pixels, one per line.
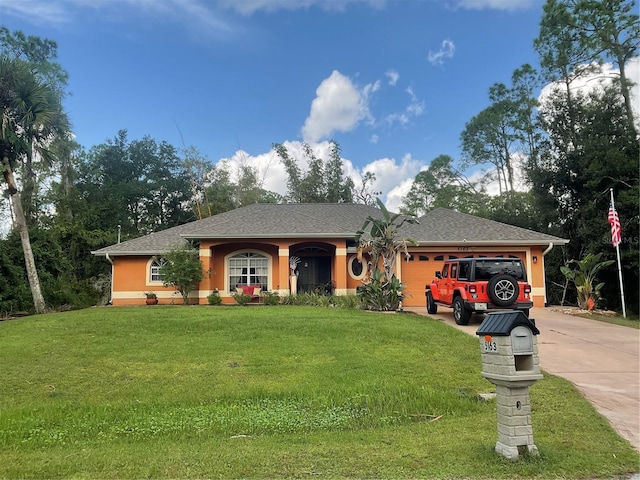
[{"x": 489, "y": 346}]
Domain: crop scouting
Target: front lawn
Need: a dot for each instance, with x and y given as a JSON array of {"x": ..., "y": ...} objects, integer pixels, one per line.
[{"x": 264, "y": 392}]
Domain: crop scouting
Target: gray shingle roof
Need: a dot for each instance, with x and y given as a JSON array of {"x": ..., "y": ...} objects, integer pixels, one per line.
[
  {"x": 443, "y": 226},
  {"x": 326, "y": 220}
]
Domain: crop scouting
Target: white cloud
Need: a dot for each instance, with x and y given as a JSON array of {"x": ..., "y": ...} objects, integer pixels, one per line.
[
  {"x": 393, "y": 77},
  {"x": 493, "y": 4},
  {"x": 393, "y": 178},
  {"x": 600, "y": 79},
  {"x": 339, "y": 106},
  {"x": 401, "y": 118},
  {"x": 198, "y": 11},
  {"x": 249, "y": 7},
  {"x": 446, "y": 51},
  {"x": 395, "y": 196},
  {"x": 414, "y": 109},
  {"x": 193, "y": 12},
  {"x": 271, "y": 173},
  {"x": 37, "y": 11}
]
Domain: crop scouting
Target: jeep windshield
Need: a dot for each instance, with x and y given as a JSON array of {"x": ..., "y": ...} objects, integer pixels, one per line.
[{"x": 486, "y": 269}]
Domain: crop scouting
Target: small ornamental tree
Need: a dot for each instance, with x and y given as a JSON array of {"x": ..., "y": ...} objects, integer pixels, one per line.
[
  {"x": 584, "y": 278},
  {"x": 382, "y": 290},
  {"x": 183, "y": 270}
]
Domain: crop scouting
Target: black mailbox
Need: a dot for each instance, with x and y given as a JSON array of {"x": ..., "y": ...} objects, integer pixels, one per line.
[{"x": 501, "y": 324}]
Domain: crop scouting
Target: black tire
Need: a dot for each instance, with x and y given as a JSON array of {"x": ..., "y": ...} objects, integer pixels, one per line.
[
  {"x": 503, "y": 290},
  {"x": 460, "y": 314},
  {"x": 432, "y": 307}
]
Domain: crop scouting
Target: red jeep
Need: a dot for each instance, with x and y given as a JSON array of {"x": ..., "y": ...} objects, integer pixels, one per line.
[{"x": 479, "y": 284}]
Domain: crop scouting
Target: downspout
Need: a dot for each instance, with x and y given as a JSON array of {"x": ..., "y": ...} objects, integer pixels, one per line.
[
  {"x": 544, "y": 277},
  {"x": 110, "y": 302}
]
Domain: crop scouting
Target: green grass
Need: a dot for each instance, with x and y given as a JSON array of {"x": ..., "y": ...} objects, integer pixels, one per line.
[
  {"x": 630, "y": 321},
  {"x": 264, "y": 392}
]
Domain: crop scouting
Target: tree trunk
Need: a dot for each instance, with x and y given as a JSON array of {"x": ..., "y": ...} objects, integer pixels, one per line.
[
  {"x": 21, "y": 222},
  {"x": 626, "y": 94}
]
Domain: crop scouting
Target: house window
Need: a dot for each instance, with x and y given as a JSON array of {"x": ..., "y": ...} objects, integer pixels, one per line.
[
  {"x": 357, "y": 269},
  {"x": 155, "y": 269},
  {"x": 248, "y": 268}
]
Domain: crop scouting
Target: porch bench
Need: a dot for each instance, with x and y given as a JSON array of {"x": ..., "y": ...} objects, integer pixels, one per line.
[{"x": 254, "y": 291}]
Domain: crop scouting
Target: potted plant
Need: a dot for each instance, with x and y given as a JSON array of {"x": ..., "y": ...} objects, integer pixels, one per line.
[{"x": 152, "y": 298}]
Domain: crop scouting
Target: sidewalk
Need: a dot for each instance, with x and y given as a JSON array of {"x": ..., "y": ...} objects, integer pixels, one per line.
[{"x": 600, "y": 359}]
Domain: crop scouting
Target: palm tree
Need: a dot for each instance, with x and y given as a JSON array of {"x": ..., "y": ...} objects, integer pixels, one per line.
[
  {"x": 384, "y": 241},
  {"x": 31, "y": 117}
]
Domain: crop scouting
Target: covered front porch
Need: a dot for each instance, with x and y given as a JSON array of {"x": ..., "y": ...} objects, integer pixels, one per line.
[{"x": 229, "y": 265}]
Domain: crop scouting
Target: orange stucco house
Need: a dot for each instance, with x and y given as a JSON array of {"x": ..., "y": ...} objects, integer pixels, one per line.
[{"x": 252, "y": 245}]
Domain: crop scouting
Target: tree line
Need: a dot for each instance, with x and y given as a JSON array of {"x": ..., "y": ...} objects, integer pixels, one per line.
[
  {"x": 552, "y": 160},
  {"x": 567, "y": 149}
]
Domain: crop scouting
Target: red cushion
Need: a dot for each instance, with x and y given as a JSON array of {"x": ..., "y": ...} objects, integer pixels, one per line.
[{"x": 248, "y": 289}]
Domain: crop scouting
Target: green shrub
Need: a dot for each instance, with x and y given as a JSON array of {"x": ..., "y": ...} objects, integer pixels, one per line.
[
  {"x": 271, "y": 298},
  {"x": 214, "y": 298},
  {"x": 321, "y": 300},
  {"x": 241, "y": 298},
  {"x": 307, "y": 299},
  {"x": 381, "y": 294},
  {"x": 346, "y": 301}
]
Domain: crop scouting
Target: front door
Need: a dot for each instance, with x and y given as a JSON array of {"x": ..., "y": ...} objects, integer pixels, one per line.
[{"x": 315, "y": 274}]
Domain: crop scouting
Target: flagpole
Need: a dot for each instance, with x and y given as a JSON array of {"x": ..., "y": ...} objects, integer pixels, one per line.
[{"x": 624, "y": 311}]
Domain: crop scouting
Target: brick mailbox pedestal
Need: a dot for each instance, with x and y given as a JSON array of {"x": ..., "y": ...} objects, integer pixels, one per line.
[{"x": 510, "y": 361}]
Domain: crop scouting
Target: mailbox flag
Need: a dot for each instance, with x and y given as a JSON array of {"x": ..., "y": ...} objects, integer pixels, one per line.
[{"x": 616, "y": 230}]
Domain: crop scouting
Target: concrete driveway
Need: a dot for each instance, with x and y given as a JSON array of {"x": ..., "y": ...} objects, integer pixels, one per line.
[{"x": 600, "y": 359}]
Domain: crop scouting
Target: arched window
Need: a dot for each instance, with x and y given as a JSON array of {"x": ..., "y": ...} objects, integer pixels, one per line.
[
  {"x": 155, "y": 267},
  {"x": 248, "y": 268}
]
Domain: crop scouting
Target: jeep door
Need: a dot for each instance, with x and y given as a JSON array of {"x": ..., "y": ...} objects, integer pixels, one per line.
[{"x": 449, "y": 279}]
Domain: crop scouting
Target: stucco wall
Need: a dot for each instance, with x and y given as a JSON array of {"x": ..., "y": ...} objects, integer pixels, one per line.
[{"x": 131, "y": 273}]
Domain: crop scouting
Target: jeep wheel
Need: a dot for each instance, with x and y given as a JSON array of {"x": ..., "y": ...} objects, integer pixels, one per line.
[
  {"x": 432, "y": 307},
  {"x": 460, "y": 314},
  {"x": 503, "y": 290}
]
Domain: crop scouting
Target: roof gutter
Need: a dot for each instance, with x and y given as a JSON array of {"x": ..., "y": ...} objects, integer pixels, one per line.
[{"x": 548, "y": 249}]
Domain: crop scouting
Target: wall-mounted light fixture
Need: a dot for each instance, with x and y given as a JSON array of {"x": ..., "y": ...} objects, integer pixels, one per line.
[{"x": 535, "y": 259}]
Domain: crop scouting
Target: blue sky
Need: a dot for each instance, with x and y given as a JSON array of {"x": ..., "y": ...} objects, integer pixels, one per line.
[{"x": 394, "y": 81}]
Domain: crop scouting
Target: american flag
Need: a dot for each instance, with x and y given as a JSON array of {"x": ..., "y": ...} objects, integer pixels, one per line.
[{"x": 616, "y": 230}]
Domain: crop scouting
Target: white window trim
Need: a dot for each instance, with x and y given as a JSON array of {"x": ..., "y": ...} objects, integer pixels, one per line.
[
  {"x": 354, "y": 258},
  {"x": 240, "y": 252},
  {"x": 149, "y": 281}
]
